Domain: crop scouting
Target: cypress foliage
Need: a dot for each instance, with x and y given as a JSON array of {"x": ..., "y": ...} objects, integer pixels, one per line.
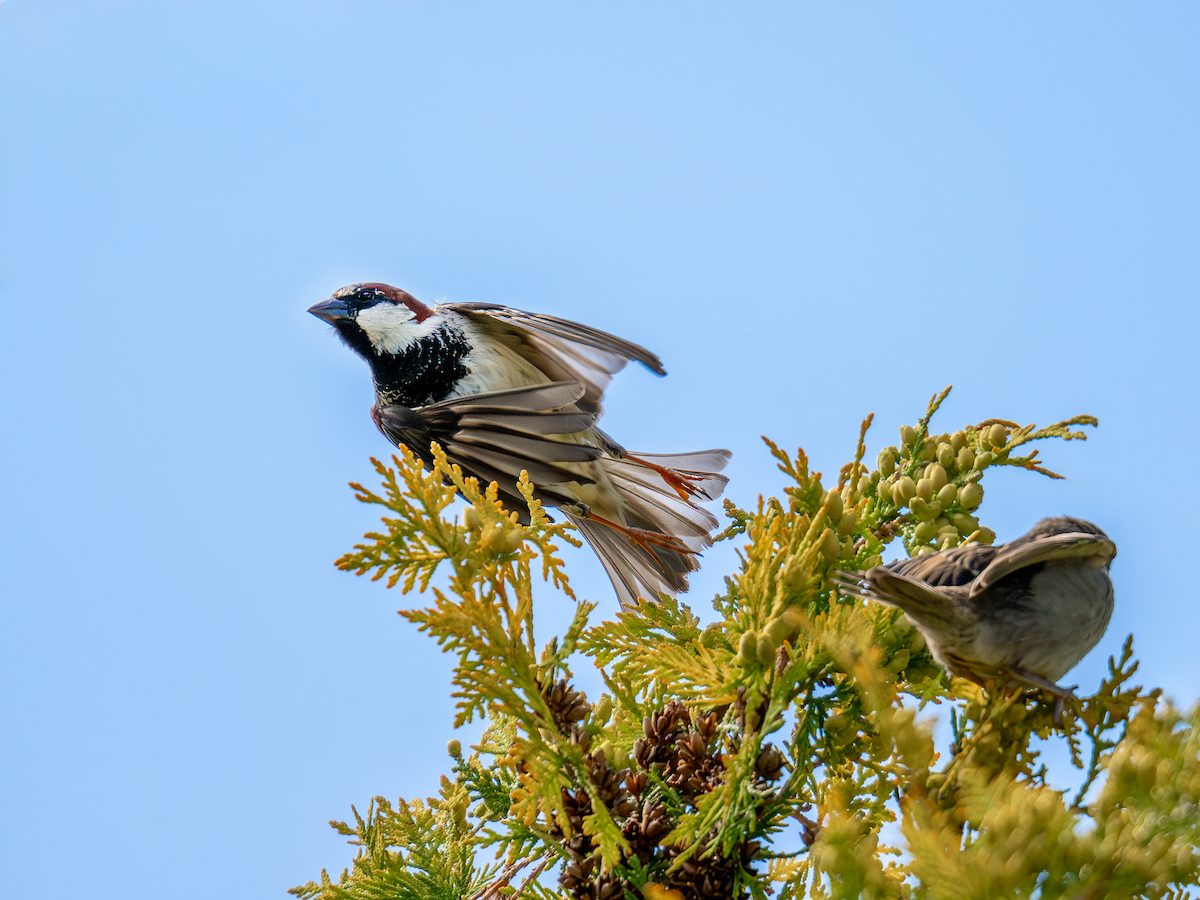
[{"x": 779, "y": 751}]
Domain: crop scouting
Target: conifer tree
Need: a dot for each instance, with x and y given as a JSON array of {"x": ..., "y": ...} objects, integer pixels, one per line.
[{"x": 800, "y": 708}]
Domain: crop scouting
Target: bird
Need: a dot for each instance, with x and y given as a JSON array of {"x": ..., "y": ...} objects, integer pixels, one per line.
[
  {"x": 1024, "y": 612},
  {"x": 503, "y": 390}
]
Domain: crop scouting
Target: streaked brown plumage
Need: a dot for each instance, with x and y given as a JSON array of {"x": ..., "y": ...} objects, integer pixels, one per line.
[
  {"x": 504, "y": 390},
  {"x": 1024, "y": 612}
]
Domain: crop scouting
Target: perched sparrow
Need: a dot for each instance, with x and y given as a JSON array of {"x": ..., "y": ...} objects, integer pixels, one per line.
[
  {"x": 1026, "y": 611},
  {"x": 503, "y": 390}
]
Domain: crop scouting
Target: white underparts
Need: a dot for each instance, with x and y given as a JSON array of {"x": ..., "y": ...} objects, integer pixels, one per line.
[{"x": 493, "y": 366}]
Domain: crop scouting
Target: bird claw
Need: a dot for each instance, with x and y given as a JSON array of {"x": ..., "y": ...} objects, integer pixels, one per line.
[{"x": 676, "y": 480}]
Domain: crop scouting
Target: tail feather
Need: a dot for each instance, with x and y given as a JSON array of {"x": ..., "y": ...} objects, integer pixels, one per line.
[
  {"x": 649, "y": 503},
  {"x": 636, "y": 571},
  {"x": 934, "y": 608},
  {"x": 700, "y": 468}
]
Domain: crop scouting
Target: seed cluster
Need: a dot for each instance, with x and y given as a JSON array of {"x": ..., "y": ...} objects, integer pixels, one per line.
[
  {"x": 677, "y": 749},
  {"x": 938, "y": 480}
]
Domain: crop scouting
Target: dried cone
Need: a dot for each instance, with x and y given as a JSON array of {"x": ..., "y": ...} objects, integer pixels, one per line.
[
  {"x": 769, "y": 765},
  {"x": 567, "y": 705}
]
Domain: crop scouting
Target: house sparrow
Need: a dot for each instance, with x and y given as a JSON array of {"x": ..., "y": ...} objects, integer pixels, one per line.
[
  {"x": 503, "y": 390},
  {"x": 1025, "y": 612}
]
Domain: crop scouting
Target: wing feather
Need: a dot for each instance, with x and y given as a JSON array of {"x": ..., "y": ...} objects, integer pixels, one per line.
[
  {"x": 563, "y": 350},
  {"x": 494, "y": 436},
  {"x": 1020, "y": 554}
]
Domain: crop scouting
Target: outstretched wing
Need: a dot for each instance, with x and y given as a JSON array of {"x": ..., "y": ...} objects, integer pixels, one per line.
[
  {"x": 494, "y": 436},
  {"x": 563, "y": 350}
]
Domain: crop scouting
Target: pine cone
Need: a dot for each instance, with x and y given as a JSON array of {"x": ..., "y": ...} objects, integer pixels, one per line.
[
  {"x": 713, "y": 876},
  {"x": 645, "y": 829},
  {"x": 661, "y": 729},
  {"x": 567, "y": 705},
  {"x": 576, "y": 876},
  {"x": 769, "y": 765},
  {"x": 693, "y": 769},
  {"x": 576, "y": 805},
  {"x": 637, "y": 783},
  {"x": 610, "y": 785}
]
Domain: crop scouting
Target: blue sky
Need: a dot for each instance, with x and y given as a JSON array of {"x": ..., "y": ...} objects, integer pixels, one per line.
[{"x": 810, "y": 212}]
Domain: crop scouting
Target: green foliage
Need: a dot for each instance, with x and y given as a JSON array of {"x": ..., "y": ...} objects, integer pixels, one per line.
[{"x": 779, "y": 749}]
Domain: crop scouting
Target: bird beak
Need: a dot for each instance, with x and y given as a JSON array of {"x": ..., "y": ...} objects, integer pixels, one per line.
[{"x": 333, "y": 310}]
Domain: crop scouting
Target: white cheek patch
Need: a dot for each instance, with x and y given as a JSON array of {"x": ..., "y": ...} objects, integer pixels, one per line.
[{"x": 392, "y": 327}]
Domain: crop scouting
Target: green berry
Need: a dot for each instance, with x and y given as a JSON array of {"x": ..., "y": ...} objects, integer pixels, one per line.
[
  {"x": 748, "y": 647},
  {"x": 836, "y": 724},
  {"x": 945, "y": 455},
  {"x": 986, "y": 535},
  {"x": 958, "y": 440},
  {"x": 795, "y": 576},
  {"x": 766, "y": 649},
  {"x": 886, "y": 460},
  {"x": 925, "y": 512},
  {"x": 884, "y": 491},
  {"x": 998, "y": 435},
  {"x": 454, "y": 747},
  {"x": 970, "y": 495},
  {"x": 833, "y": 502},
  {"x": 964, "y": 523},
  {"x": 848, "y": 521},
  {"x": 925, "y": 532},
  {"x": 925, "y": 489},
  {"x": 908, "y": 435},
  {"x": 984, "y": 459},
  {"x": 936, "y": 475},
  {"x": 965, "y": 459},
  {"x": 829, "y": 545},
  {"x": 602, "y": 710},
  {"x": 904, "y": 490},
  {"x": 947, "y": 495}
]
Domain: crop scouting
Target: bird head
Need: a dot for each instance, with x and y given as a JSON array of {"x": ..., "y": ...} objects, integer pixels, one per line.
[
  {"x": 1062, "y": 525},
  {"x": 375, "y": 319}
]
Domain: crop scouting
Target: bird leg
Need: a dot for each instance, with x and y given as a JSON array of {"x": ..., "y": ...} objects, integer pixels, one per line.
[
  {"x": 647, "y": 540},
  {"x": 1061, "y": 694},
  {"x": 676, "y": 480}
]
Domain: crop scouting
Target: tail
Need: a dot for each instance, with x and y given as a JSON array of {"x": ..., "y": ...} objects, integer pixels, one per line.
[
  {"x": 656, "y": 545},
  {"x": 931, "y": 607}
]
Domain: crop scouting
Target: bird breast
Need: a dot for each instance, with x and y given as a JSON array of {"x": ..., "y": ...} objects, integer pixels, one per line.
[
  {"x": 1074, "y": 601},
  {"x": 494, "y": 366}
]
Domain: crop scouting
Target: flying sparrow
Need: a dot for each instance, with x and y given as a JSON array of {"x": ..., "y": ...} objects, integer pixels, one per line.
[
  {"x": 1025, "y": 612},
  {"x": 503, "y": 390}
]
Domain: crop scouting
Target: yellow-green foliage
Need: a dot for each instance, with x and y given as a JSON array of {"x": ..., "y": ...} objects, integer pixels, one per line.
[{"x": 779, "y": 749}]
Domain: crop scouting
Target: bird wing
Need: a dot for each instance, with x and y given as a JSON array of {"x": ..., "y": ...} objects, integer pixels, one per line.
[
  {"x": 495, "y": 435},
  {"x": 1020, "y": 554},
  {"x": 936, "y": 608},
  {"x": 955, "y": 567},
  {"x": 563, "y": 350}
]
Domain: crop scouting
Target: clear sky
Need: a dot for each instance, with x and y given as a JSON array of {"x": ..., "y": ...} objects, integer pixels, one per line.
[{"x": 811, "y": 212}]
